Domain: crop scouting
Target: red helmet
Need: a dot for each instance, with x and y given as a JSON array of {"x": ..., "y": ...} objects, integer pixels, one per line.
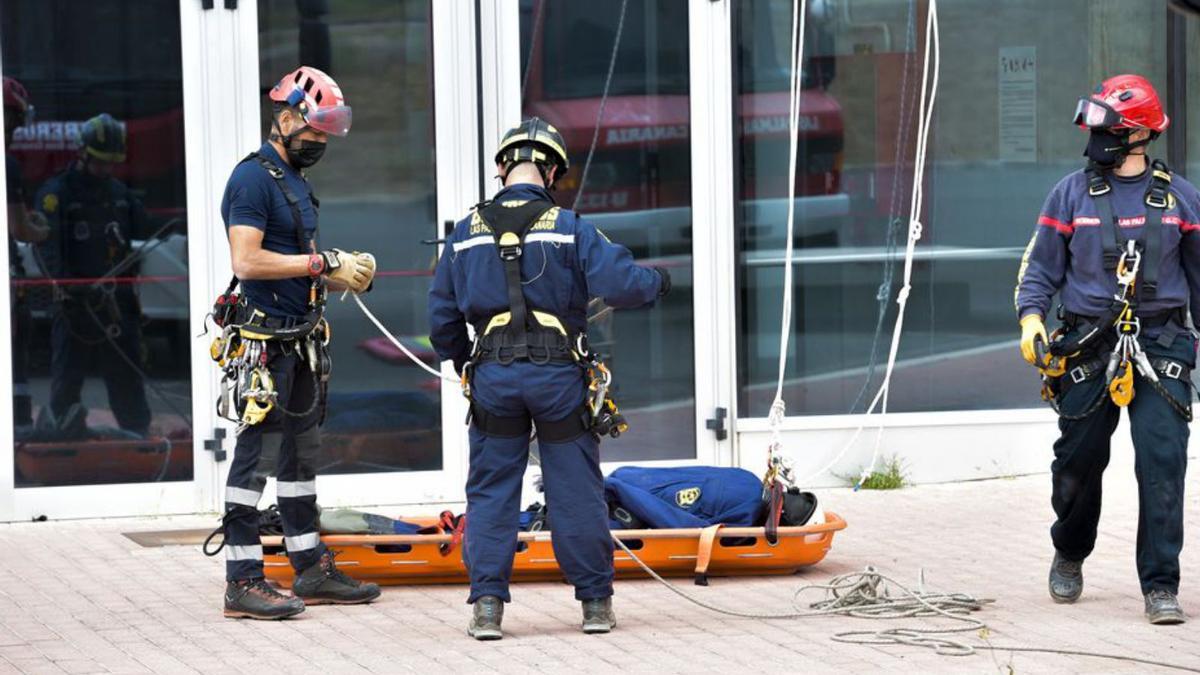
[
  {"x": 1122, "y": 102},
  {"x": 15, "y": 95},
  {"x": 317, "y": 97}
]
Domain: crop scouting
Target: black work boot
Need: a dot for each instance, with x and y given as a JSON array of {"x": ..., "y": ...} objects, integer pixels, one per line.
[
  {"x": 324, "y": 584},
  {"x": 256, "y": 599},
  {"x": 1066, "y": 579},
  {"x": 1162, "y": 608},
  {"x": 598, "y": 616},
  {"x": 486, "y": 616}
]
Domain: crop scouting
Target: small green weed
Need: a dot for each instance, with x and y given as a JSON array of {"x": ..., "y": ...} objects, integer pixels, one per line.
[{"x": 892, "y": 476}]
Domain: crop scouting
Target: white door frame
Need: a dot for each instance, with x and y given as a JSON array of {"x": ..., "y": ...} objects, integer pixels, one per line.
[
  {"x": 206, "y": 41},
  {"x": 7, "y": 471}
]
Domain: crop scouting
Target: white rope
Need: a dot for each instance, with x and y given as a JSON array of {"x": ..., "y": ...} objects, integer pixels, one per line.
[
  {"x": 929, "y": 86},
  {"x": 392, "y": 338},
  {"x": 870, "y": 594},
  {"x": 778, "y": 407}
]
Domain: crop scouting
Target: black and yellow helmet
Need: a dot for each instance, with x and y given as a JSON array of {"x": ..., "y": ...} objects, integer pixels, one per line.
[
  {"x": 534, "y": 140},
  {"x": 103, "y": 138}
]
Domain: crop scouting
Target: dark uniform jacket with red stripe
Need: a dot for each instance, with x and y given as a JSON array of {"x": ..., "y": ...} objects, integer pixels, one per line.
[{"x": 1066, "y": 252}]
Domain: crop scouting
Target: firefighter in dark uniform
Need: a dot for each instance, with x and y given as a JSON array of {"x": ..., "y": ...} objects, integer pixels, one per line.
[
  {"x": 521, "y": 271},
  {"x": 1120, "y": 241},
  {"x": 270, "y": 215},
  {"x": 93, "y": 219},
  {"x": 24, "y": 226}
]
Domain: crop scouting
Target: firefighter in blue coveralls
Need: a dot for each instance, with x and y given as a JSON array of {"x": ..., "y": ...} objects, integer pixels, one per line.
[
  {"x": 1120, "y": 240},
  {"x": 521, "y": 271},
  {"x": 270, "y": 216},
  {"x": 93, "y": 221}
]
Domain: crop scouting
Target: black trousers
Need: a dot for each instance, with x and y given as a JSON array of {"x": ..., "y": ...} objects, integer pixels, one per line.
[
  {"x": 22, "y": 341},
  {"x": 296, "y": 442},
  {"x": 1160, "y": 438},
  {"x": 77, "y": 342}
]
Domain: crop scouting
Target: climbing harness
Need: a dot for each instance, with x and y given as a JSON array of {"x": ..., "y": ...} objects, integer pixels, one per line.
[
  {"x": 1064, "y": 362},
  {"x": 524, "y": 333},
  {"x": 249, "y": 338}
]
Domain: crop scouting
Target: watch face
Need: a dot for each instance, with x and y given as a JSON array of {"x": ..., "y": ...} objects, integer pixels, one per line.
[{"x": 315, "y": 264}]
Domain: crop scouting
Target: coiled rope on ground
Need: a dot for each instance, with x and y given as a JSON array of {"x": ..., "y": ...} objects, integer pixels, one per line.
[{"x": 871, "y": 594}]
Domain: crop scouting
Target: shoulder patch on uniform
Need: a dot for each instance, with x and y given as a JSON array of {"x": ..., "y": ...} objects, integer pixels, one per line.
[
  {"x": 547, "y": 222},
  {"x": 50, "y": 202},
  {"x": 687, "y": 496},
  {"x": 478, "y": 226}
]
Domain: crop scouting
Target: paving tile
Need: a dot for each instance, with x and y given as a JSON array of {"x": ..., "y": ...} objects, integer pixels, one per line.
[{"x": 133, "y": 610}]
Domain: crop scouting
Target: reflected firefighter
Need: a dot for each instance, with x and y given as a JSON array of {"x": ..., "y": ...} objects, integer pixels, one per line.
[
  {"x": 521, "y": 270},
  {"x": 25, "y": 226},
  {"x": 93, "y": 219}
]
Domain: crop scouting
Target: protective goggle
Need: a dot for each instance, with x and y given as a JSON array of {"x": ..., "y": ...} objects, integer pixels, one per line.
[
  {"x": 334, "y": 119},
  {"x": 1092, "y": 114}
]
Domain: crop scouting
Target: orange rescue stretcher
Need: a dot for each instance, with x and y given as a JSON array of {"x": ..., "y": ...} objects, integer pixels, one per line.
[{"x": 437, "y": 558}]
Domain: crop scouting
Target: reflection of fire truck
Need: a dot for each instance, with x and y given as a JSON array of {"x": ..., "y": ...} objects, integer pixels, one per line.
[{"x": 638, "y": 185}]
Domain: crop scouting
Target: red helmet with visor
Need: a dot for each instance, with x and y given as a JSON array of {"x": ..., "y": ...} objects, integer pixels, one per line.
[
  {"x": 1123, "y": 102},
  {"x": 318, "y": 98}
]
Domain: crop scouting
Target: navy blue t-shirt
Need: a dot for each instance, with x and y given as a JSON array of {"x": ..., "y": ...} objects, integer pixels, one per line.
[
  {"x": 253, "y": 198},
  {"x": 16, "y": 195},
  {"x": 16, "y": 187}
]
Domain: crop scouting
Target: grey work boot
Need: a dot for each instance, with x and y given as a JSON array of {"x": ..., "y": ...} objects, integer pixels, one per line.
[
  {"x": 598, "y": 616},
  {"x": 487, "y": 614},
  {"x": 324, "y": 584},
  {"x": 1162, "y": 608},
  {"x": 1066, "y": 579},
  {"x": 256, "y": 599}
]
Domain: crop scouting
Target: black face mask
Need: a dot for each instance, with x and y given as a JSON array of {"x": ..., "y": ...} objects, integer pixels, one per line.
[
  {"x": 1107, "y": 149},
  {"x": 306, "y": 155}
]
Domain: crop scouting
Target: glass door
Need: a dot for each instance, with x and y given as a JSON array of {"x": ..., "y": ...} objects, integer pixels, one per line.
[
  {"x": 617, "y": 79},
  {"x": 383, "y": 440},
  {"x": 100, "y": 245}
]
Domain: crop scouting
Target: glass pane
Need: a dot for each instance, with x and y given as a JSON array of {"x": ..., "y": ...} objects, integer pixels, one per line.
[
  {"x": 97, "y": 242},
  {"x": 635, "y": 186},
  {"x": 376, "y": 188},
  {"x": 1002, "y": 137}
]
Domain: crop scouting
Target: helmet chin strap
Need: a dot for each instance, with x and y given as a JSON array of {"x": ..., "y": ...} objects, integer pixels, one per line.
[
  {"x": 285, "y": 139},
  {"x": 543, "y": 171}
]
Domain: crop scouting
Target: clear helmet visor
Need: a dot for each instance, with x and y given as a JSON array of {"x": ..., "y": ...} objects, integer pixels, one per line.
[
  {"x": 1091, "y": 114},
  {"x": 333, "y": 120}
]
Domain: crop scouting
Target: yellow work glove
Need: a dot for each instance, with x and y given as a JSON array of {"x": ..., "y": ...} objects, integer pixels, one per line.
[
  {"x": 349, "y": 269},
  {"x": 365, "y": 261},
  {"x": 1032, "y": 328}
]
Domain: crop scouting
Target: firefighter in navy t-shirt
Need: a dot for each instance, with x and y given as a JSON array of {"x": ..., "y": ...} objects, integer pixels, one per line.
[{"x": 271, "y": 217}]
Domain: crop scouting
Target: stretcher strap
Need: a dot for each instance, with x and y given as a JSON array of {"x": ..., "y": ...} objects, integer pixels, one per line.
[{"x": 704, "y": 548}]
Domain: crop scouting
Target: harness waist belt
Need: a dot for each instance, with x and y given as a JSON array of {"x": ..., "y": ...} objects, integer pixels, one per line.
[
  {"x": 542, "y": 346},
  {"x": 1179, "y": 314},
  {"x": 262, "y": 326}
]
